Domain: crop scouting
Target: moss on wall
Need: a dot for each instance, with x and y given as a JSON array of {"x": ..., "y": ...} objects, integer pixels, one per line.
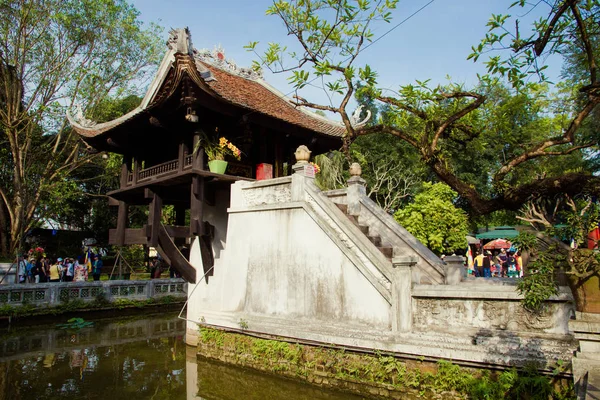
[{"x": 379, "y": 375}]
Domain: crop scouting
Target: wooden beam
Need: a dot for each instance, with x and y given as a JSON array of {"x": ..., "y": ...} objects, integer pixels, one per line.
[
  {"x": 196, "y": 205},
  {"x": 121, "y": 223},
  {"x": 112, "y": 202},
  {"x": 148, "y": 194},
  {"x": 178, "y": 231},
  {"x": 132, "y": 236}
]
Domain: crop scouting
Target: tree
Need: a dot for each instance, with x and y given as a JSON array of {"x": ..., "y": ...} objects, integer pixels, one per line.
[
  {"x": 436, "y": 121},
  {"x": 55, "y": 54},
  {"x": 435, "y": 220},
  {"x": 563, "y": 218},
  {"x": 392, "y": 177}
]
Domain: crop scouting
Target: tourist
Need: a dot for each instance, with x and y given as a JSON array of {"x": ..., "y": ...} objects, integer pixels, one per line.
[
  {"x": 69, "y": 270},
  {"x": 487, "y": 263},
  {"x": 501, "y": 261},
  {"x": 56, "y": 270},
  {"x": 478, "y": 264},
  {"x": 30, "y": 268},
  {"x": 80, "y": 272},
  {"x": 97, "y": 267},
  {"x": 38, "y": 271},
  {"x": 43, "y": 269},
  {"x": 519, "y": 264},
  {"x": 155, "y": 269},
  {"x": 511, "y": 266},
  {"x": 21, "y": 269}
]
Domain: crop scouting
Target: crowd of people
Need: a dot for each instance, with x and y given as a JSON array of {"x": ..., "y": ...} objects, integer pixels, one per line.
[
  {"x": 42, "y": 269},
  {"x": 504, "y": 264}
]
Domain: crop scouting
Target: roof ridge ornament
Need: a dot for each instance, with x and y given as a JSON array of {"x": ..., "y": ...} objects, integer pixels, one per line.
[
  {"x": 180, "y": 41},
  {"x": 355, "y": 118},
  {"x": 217, "y": 59},
  {"x": 80, "y": 118}
]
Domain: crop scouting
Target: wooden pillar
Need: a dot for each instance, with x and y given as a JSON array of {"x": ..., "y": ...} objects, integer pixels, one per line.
[
  {"x": 183, "y": 151},
  {"x": 179, "y": 215},
  {"x": 198, "y": 158},
  {"x": 121, "y": 223},
  {"x": 196, "y": 206},
  {"x": 136, "y": 170},
  {"x": 154, "y": 216},
  {"x": 125, "y": 168},
  {"x": 279, "y": 158}
]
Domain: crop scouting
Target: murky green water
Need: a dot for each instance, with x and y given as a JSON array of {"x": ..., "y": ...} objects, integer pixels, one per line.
[{"x": 128, "y": 358}]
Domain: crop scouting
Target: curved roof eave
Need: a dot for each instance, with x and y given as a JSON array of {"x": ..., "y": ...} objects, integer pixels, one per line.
[{"x": 179, "y": 44}]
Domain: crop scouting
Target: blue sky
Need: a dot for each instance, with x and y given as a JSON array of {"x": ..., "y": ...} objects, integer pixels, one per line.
[{"x": 432, "y": 44}]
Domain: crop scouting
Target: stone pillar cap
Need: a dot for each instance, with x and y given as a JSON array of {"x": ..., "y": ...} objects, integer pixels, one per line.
[
  {"x": 404, "y": 260},
  {"x": 355, "y": 169},
  {"x": 454, "y": 259},
  {"x": 302, "y": 154}
]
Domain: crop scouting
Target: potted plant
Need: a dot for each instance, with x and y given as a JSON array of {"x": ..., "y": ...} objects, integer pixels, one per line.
[
  {"x": 556, "y": 221},
  {"x": 216, "y": 152}
]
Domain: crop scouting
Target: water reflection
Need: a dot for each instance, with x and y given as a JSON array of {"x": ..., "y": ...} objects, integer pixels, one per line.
[
  {"x": 107, "y": 359},
  {"x": 143, "y": 358}
]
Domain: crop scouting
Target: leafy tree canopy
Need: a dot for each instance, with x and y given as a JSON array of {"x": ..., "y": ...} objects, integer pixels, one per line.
[
  {"x": 435, "y": 220},
  {"x": 55, "y": 54},
  {"x": 498, "y": 144}
]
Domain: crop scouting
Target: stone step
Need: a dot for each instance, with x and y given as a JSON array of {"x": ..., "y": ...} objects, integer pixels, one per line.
[
  {"x": 364, "y": 229},
  {"x": 388, "y": 252},
  {"x": 376, "y": 240},
  {"x": 343, "y": 207}
]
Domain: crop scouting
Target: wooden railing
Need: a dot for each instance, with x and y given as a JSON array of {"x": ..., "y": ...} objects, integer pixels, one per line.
[
  {"x": 172, "y": 167},
  {"x": 166, "y": 168},
  {"x": 159, "y": 169}
]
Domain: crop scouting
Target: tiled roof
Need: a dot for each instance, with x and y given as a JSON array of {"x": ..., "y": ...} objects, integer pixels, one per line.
[
  {"x": 257, "y": 96},
  {"x": 219, "y": 77}
]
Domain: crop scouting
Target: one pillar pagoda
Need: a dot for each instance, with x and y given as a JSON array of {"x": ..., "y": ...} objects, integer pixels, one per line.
[{"x": 198, "y": 94}]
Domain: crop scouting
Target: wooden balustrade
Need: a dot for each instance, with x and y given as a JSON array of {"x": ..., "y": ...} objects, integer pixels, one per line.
[{"x": 169, "y": 167}]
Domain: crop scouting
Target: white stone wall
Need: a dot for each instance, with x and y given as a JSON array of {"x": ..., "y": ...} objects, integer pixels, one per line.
[
  {"x": 486, "y": 306},
  {"x": 279, "y": 262},
  {"x": 289, "y": 263}
]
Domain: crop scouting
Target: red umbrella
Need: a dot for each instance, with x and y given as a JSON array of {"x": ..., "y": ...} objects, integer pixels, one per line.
[{"x": 497, "y": 244}]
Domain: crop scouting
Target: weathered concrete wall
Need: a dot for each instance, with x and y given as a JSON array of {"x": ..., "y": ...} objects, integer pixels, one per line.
[
  {"x": 488, "y": 306},
  {"x": 279, "y": 261},
  {"x": 289, "y": 263}
]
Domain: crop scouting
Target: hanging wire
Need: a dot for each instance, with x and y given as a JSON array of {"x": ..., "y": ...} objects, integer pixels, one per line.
[{"x": 284, "y": 97}]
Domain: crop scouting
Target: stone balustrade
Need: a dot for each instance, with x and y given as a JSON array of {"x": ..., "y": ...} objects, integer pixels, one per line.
[{"x": 55, "y": 293}]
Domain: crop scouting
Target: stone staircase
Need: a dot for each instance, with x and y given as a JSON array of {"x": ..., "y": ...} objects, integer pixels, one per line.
[{"x": 387, "y": 251}]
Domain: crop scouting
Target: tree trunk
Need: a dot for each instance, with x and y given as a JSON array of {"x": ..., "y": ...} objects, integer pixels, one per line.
[
  {"x": 3, "y": 231},
  {"x": 586, "y": 293}
]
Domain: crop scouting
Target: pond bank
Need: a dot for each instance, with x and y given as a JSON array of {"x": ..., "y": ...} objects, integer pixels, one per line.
[
  {"x": 375, "y": 374},
  {"x": 141, "y": 356},
  {"x": 34, "y": 300}
]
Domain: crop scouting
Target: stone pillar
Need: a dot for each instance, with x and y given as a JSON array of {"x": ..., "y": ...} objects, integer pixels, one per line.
[
  {"x": 586, "y": 362},
  {"x": 402, "y": 293},
  {"x": 454, "y": 269},
  {"x": 356, "y": 189},
  {"x": 301, "y": 173}
]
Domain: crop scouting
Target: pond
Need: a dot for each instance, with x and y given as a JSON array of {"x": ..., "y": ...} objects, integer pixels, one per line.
[{"x": 129, "y": 358}]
